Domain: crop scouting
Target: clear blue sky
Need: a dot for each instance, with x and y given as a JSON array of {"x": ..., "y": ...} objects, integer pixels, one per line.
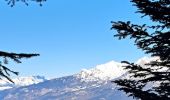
[{"x": 69, "y": 34}]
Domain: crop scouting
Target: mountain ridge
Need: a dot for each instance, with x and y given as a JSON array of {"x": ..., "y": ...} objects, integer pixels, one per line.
[
  {"x": 21, "y": 81},
  {"x": 88, "y": 84}
]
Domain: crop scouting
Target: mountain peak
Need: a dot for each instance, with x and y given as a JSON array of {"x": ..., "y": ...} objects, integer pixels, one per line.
[
  {"x": 21, "y": 81},
  {"x": 145, "y": 60},
  {"x": 105, "y": 72}
]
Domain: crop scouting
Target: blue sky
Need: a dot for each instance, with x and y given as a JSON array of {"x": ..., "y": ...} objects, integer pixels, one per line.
[{"x": 69, "y": 35}]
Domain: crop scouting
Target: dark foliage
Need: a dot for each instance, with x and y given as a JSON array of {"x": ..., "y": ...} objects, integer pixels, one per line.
[
  {"x": 13, "y": 2},
  {"x": 155, "y": 43},
  {"x": 5, "y": 71}
]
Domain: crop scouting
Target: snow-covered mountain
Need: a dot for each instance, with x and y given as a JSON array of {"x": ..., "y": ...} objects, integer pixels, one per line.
[
  {"x": 104, "y": 72},
  {"x": 145, "y": 60},
  {"x": 91, "y": 84},
  {"x": 21, "y": 81}
]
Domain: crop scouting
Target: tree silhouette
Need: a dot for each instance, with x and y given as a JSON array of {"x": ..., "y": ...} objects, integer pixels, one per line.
[
  {"x": 13, "y": 2},
  {"x": 5, "y": 71},
  {"x": 153, "y": 40}
]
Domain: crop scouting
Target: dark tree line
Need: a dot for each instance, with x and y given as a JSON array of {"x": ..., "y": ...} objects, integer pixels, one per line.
[
  {"x": 5, "y": 71},
  {"x": 13, "y": 2},
  {"x": 153, "y": 40}
]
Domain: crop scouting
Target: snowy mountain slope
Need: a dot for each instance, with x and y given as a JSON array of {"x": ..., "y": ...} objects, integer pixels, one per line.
[
  {"x": 92, "y": 84},
  {"x": 21, "y": 81},
  {"x": 108, "y": 71}
]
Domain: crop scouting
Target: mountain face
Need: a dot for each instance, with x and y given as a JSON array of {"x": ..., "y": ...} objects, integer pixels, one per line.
[
  {"x": 104, "y": 72},
  {"x": 92, "y": 84},
  {"x": 21, "y": 81},
  {"x": 65, "y": 88}
]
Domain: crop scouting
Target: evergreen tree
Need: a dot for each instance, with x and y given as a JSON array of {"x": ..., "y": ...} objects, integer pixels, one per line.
[
  {"x": 5, "y": 71},
  {"x": 153, "y": 40},
  {"x": 13, "y": 2}
]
